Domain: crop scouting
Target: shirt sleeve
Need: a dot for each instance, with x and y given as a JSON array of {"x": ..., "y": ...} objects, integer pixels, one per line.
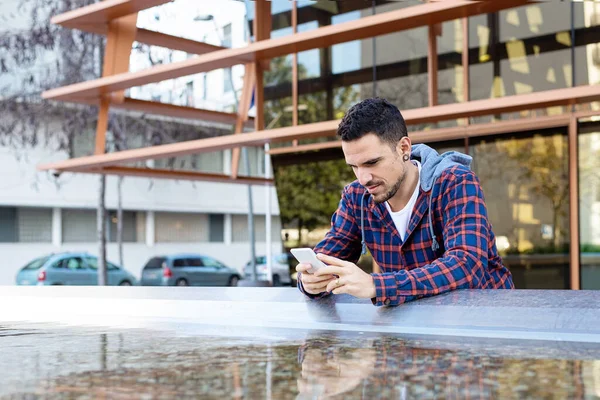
[
  {"x": 343, "y": 240},
  {"x": 465, "y": 234}
]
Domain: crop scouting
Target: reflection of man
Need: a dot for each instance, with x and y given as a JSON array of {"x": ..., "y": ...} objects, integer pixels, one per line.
[
  {"x": 422, "y": 216},
  {"x": 329, "y": 371}
]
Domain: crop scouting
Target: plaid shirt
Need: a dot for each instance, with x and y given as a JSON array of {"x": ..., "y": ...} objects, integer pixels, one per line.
[{"x": 466, "y": 259}]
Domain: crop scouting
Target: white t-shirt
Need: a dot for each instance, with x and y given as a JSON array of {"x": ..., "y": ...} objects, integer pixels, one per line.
[{"x": 402, "y": 218}]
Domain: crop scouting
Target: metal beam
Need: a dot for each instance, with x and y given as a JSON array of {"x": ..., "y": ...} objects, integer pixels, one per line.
[
  {"x": 103, "y": 12},
  {"x": 581, "y": 94},
  {"x": 574, "y": 262},
  {"x": 157, "y": 173},
  {"x": 375, "y": 25},
  {"x": 170, "y": 110},
  {"x": 454, "y": 133}
]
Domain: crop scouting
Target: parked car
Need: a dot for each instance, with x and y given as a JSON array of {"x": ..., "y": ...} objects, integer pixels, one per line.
[
  {"x": 188, "y": 270},
  {"x": 281, "y": 265},
  {"x": 71, "y": 269}
]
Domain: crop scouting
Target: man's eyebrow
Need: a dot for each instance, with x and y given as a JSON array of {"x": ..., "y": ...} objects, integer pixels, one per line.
[{"x": 371, "y": 161}]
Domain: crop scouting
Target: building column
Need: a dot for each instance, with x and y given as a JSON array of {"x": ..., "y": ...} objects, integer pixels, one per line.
[
  {"x": 227, "y": 162},
  {"x": 56, "y": 227},
  {"x": 228, "y": 230},
  {"x": 150, "y": 226}
]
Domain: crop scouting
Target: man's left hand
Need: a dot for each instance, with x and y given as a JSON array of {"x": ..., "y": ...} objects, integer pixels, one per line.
[{"x": 352, "y": 280}]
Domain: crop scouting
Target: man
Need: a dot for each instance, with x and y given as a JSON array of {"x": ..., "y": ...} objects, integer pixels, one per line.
[{"x": 421, "y": 215}]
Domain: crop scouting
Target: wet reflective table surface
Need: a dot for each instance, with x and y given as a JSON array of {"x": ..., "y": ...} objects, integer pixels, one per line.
[
  {"x": 193, "y": 356},
  {"x": 65, "y": 362}
]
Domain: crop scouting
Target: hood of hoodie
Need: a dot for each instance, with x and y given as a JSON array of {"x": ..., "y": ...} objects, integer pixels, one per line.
[{"x": 433, "y": 164}]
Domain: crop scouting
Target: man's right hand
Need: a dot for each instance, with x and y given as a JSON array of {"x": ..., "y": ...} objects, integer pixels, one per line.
[{"x": 313, "y": 284}]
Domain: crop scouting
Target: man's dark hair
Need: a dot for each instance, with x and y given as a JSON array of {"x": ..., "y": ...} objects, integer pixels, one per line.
[{"x": 377, "y": 116}]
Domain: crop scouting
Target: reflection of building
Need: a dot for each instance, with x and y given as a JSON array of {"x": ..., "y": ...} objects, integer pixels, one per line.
[
  {"x": 39, "y": 214},
  {"x": 524, "y": 168}
]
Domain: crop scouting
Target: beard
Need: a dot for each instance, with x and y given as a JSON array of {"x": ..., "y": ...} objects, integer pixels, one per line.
[{"x": 390, "y": 191}]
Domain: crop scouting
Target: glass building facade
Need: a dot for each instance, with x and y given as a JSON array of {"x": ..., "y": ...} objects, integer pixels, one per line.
[{"x": 529, "y": 175}]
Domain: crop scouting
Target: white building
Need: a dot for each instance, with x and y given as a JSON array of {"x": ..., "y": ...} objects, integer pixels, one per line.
[{"x": 40, "y": 213}]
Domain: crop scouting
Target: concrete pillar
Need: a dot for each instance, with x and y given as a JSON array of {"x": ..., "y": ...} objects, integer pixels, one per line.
[
  {"x": 228, "y": 230},
  {"x": 150, "y": 229},
  {"x": 56, "y": 227}
]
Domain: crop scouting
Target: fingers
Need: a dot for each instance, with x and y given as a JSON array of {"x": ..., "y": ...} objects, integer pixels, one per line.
[
  {"x": 314, "y": 288},
  {"x": 331, "y": 260},
  {"x": 313, "y": 279},
  {"x": 315, "y": 284},
  {"x": 335, "y": 283},
  {"x": 332, "y": 270},
  {"x": 303, "y": 267}
]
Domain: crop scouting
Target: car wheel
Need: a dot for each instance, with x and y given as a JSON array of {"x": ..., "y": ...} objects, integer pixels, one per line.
[
  {"x": 125, "y": 283},
  {"x": 181, "y": 282},
  {"x": 276, "y": 280},
  {"x": 233, "y": 281}
]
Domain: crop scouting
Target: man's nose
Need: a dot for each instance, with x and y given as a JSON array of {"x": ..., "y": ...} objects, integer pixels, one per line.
[{"x": 364, "y": 177}]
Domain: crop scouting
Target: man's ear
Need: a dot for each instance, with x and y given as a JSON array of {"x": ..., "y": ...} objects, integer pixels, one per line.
[{"x": 404, "y": 146}]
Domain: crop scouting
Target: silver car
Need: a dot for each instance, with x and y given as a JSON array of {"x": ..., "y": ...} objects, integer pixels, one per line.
[
  {"x": 71, "y": 269},
  {"x": 188, "y": 270},
  {"x": 280, "y": 269}
]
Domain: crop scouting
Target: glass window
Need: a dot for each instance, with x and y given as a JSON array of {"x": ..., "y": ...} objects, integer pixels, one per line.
[
  {"x": 92, "y": 262},
  {"x": 589, "y": 204},
  {"x": 34, "y": 224},
  {"x": 129, "y": 226},
  {"x": 37, "y": 263},
  {"x": 62, "y": 263},
  {"x": 526, "y": 185},
  {"x": 211, "y": 262},
  {"x": 155, "y": 263},
  {"x": 217, "y": 228},
  {"x": 111, "y": 266},
  {"x": 180, "y": 262},
  {"x": 521, "y": 50},
  {"x": 74, "y": 263},
  {"x": 79, "y": 226},
  {"x": 8, "y": 224},
  {"x": 194, "y": 262},
  {"x": 181, "y": 227}
]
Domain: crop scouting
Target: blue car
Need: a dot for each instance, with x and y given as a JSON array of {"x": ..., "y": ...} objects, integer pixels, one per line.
[
  {"x": 71, "y": 269},
  {"x": 188, "y": 270}
]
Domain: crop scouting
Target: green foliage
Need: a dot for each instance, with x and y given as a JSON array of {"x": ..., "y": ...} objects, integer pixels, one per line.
[
  {"x": 310, "y": 193},
  {"x": 589, "y": 248}
]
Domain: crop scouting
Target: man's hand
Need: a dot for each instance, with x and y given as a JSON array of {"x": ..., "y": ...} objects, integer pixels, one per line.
[
  {"x": 313, "y": 284},
  {"x": 352, "y": 280}
]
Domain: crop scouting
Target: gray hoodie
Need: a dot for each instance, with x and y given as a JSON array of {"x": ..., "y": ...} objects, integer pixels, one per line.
[{"x": 432, "y": 166}]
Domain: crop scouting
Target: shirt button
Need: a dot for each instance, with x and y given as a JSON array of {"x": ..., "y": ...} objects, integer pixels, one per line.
[{"x": 387, "y": 302}]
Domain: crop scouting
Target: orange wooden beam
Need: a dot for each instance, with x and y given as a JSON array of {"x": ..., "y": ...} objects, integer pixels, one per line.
[
  {"x": 444, "y": 134},
  {"x": 375, "y": 25},
  {"x": 432, "y": 66},
  {"x": 170, "y": 110},
  {"x": 96, "y": 17},
  {"x": 243, "y": 107},
  {"x": 574, "y": 261},
  {"x": 179, "y": 175},
  {"x": 580, "y": 94},
  {"x": 103, "y": 12},
  {"x": 121, "y": 34}
]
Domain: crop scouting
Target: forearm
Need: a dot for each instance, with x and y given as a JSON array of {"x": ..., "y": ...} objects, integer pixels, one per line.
[{"x": 456, "y": 270}]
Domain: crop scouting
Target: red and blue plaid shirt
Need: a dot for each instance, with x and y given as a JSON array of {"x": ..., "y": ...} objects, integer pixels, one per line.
[{"x": 467, "y": 257}]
